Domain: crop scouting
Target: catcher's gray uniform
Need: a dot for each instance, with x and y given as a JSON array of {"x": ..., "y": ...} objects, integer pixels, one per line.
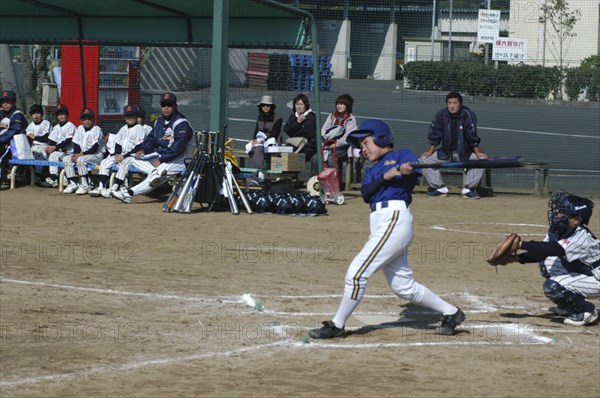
[{"x": 583, "y": 248}]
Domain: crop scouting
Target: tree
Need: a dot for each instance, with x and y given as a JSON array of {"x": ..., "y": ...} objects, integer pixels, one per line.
[
  {"x": 562, "y": 28},
  {"x": 36, "y": 73}
]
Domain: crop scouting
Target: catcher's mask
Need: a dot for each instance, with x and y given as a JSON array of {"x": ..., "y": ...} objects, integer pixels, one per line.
[{"x": 562, "y": 205}]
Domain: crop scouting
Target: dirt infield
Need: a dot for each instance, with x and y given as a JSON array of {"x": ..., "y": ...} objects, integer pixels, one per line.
[{"x": 98, "y": 298}]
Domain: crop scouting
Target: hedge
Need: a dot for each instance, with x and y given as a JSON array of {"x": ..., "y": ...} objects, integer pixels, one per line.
[
  {"x": 582, "y": 78},
  {"x": 516, "y": 81}
]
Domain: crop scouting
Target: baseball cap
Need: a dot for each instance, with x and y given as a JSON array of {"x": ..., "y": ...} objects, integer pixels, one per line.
[
  {"x": 168, "y": 99},
  {"x": 130, "y": 110},
  {"x": 8, "y": 95},
  {"x": 36, "y": 108},
  {"x": 61, "y": 108},
  {"x": 87, "y": 113},
  {"x": 381, "y": 132}
]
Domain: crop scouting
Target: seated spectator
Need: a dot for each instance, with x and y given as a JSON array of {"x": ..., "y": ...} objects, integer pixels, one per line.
[
  {"x": 301, "y": 127},
  {"x": 268, "y": 126}
]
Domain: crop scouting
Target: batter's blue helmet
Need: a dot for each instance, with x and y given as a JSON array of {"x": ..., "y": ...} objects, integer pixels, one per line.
[{"x": 381, "y": 132}]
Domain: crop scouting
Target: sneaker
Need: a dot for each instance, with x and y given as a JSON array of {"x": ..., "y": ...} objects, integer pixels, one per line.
[
  {"x": 49, "y": 183},
  {"x": 95, "y": 192},
  {"x": 71, "y": 188},
  {"x": 471, "y": 195},
  {"x": 122, "y": 195},
  {"x": 157, "y": 178},
  {"x": 83, "y": 190},
  {"x": 450, "y": 322},
  {"x": 105, "y": 192},
  {"x": 558, "y": 311},
  {"x": 582, "y": 318},
  {"x": 327, "y": 331},
  {"x": 437, "y": 192}
]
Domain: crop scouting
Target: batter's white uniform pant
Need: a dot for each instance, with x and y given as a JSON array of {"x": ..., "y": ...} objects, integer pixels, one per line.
[
  {"x": 82, "y": 161},
  {"x": 55, "y": 156},
  {"x": 391, "y": 234},
  {"x": 434, "y": 176},
  {"x": 169, "y": 169},
  {"x": 587, "y": 286}
]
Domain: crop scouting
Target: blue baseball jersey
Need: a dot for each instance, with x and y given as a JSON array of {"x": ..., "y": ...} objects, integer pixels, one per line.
[{"x": 399, "y": 188}]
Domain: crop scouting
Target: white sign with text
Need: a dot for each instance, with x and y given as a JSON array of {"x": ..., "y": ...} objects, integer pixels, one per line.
[
  {"x": 507, "y": 49},
  {"x": 489, "y": 26}
]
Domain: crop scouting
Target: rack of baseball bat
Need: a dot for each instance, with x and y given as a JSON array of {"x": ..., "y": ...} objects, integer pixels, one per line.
[{"x": 208, "y": 178}]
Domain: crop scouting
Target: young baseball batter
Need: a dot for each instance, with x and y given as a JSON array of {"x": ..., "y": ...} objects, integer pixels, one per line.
[
  {"x": 387, "y": 188},
  {"x": 128, "y": 141},
  {"x": 60, "y": 143},
  {"x": 88, "y": 147},
  {"x": 569, "y": 259}
]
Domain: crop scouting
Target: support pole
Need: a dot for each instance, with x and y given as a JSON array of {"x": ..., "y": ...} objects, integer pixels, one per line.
[{"x": 219, "y": 67}]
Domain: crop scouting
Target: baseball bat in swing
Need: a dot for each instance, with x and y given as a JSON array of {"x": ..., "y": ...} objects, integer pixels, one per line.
[{"x": 488, "y": 163}]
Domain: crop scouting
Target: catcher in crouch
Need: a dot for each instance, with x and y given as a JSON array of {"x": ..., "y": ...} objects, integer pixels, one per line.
[{"x": 569, "y": 258}]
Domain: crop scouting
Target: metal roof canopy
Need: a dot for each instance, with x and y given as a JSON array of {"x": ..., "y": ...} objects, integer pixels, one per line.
[
  {"x": 176, "y": 23},
  {"x": 149, "y": 22}
]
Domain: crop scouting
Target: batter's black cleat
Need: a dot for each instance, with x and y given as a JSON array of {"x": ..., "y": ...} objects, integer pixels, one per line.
[
  {"x": 450, "y": 322},
  {"x": 327, "y": 331}
]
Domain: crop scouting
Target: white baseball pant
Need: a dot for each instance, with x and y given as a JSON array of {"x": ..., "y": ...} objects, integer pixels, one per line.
[
  {"x": 81, "y": 164},
  {"x": 578, "y": 283},
  {"x": 55, "y": 156},
  {"x": 171, "y": 169},
  {"x": 391, "y": 234},
  {"x": 39, "y": 153},
  {"x": 106, "y": 165}
]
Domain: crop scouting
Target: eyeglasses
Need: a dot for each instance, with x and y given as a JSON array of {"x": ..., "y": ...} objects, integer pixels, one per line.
[{"x": 265, "y": 105}]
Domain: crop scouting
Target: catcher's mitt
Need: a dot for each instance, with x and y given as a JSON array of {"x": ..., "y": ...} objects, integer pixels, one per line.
[{"x": 504, "y": 253}]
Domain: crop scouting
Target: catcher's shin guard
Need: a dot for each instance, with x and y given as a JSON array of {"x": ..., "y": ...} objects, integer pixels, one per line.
[{"x": 564, "y": 298}]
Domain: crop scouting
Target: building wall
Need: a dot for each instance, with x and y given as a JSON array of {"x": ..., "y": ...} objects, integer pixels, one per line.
[{"x": 543, "y": 44}]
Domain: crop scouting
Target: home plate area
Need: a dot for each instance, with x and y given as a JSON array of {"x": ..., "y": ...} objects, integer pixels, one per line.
[{"x": 490, "y": 321}]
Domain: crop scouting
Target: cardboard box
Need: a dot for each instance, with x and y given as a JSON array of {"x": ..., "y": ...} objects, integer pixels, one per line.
[{"x": 288, "y": 162}]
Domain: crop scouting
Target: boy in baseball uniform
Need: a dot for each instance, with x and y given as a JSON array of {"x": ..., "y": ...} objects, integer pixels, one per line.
[
  {"x": 60, "y": 143},
  {"x": 569, "y": 259},
  {"x": 88, "y": 147},
  {"x": 127, "y": 142},
  {"x": 387, "y": 188},
  {"x": 38, "y": 132}
]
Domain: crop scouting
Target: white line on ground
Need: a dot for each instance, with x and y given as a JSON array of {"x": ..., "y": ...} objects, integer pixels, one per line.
[
  {"x": 160, "y": 296},
  {"x": 137, "y": 365}
]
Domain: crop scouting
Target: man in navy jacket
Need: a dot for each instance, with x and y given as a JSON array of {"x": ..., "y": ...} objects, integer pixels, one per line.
[{"x": 453, "y": 136}]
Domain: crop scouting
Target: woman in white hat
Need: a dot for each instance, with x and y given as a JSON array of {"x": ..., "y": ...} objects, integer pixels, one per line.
[{"x": 268, "y": 125}]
